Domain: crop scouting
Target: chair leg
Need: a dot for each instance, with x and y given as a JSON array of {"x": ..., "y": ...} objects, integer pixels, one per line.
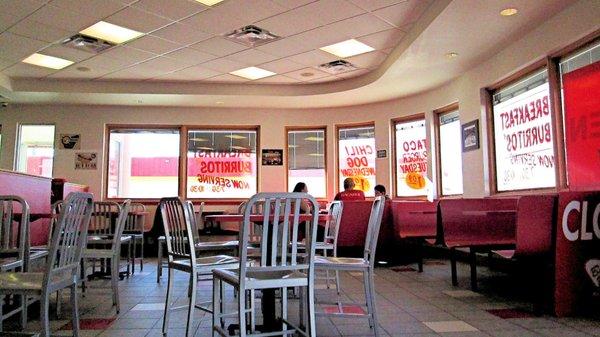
[
  {"x": 167, "y": 303},
  {"x": 473, "y": 262},
  {"x": 311, "y": 327},
  {"x": 284, "y": 308},
  {"x": 159, "y": 262},
  {"x": 453, "y": 266},
  {"x": 142, "y": 254},
  {"x": 75, "y": 310},
  {"x": 58, "y": 303},
  {"x": 23, "y": 311},
  {"x": 83, "y": 270},
  {"x": 337, "y": 282},
  {"x": 134, "y": 244},
  {"x": 373, "y": 303},
  {"x": 44, "y": 312},
  {"x": 302, "y": 308},
  {"x": 367, "y": 285},
  {"x": 190, "y": 318},
  {"x": 252, "y": 313},
  {"x": 420, "y": 249},
  {"x": 217, "y": 308},
  {"x": 242, "y": 314},
  {"x": 114, "y": 279}
]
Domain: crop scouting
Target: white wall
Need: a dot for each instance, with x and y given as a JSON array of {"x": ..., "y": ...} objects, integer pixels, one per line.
[{"x": 568, "y": 26}]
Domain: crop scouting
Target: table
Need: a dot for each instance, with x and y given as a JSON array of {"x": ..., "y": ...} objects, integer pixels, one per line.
[{"x": 268, "y": 298}]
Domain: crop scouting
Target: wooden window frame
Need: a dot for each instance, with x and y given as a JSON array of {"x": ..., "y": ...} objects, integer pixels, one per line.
[
  {"x": 437, "y": 114},
  {"x": 339, "y": 127},
  {"x": 393, "y": 123},
  {"x": 286, "y": 152},
  {"x": 18, "y": 146}
]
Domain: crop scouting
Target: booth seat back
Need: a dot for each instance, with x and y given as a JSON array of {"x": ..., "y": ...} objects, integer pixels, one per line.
[
  {"x": 535, "y": 220},
  {"x": 353, "y": 225},
  {"x": 415, "y": 219}
]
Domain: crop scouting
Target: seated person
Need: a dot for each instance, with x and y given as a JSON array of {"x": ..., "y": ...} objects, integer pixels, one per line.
[
  {"x": 380, "y": 192},
  {"x": 305, "y": 208},
  {"x": 349, "y": 193}
]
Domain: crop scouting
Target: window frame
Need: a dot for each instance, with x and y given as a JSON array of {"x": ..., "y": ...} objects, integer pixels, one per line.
[
  {"x": 393, "y": 123},
  {"x": 325, "y": 154},
  {"x": 437, "y": 114},
  {"x": 338, "y": 127},
  {"x": 18, "y": 146}
]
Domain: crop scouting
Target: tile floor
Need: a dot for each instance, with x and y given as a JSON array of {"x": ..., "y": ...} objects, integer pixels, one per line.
[{"x": 410, "y": 304}]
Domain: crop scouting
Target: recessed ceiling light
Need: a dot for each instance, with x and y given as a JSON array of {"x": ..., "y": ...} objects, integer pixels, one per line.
[
  {"x": 509, "y": 11},
  {"x": 252, "y": 73},
  {"x": 209, "y": 2},
  {"x": 219, "y": 102},
  {"x": 314, "y": 139},
  {"x": 47, "y": 61},
  {"x": 347, "y": 48},
  {"x": 111, "y": 33},
  {"x": 451, "y": 55},
  {"x": 83, "y": 69},
  {"x": 235, "y": 136}
]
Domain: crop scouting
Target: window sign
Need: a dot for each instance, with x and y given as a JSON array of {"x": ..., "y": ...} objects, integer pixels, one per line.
[
  {"x": 450, "y": 154},
  {"x": 411, "y": 158},
  {"x": 357, "y": 156}
]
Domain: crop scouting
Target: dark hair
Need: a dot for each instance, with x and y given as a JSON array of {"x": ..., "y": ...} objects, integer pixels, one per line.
[
  {"x": 380, "y": 189},
  {"x": 299, "y": 187},
  {"x": 348, "y": 182}
]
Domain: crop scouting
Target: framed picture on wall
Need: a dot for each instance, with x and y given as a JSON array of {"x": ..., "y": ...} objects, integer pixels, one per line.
[
  {"x": 470, "y": 136},
  {"x": 272, "y": 157},
  {"x": 69, "y": 141}
]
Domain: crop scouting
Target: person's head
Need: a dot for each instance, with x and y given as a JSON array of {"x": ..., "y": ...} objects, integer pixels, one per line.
[
  {"x": 301, "y": 187},
  {"x": 380, "y": 190},
  {"x": 348, "y": 184}
]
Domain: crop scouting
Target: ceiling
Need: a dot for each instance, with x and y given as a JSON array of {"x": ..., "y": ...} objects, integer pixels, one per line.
[{"x": 184, "y": 60}]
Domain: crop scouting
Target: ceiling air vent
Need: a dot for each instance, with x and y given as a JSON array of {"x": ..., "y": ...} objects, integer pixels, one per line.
[
  {"x": 87, "y": 43},
  {"x": 251, "y": 36},
  {"x": 337, "y": 67}
]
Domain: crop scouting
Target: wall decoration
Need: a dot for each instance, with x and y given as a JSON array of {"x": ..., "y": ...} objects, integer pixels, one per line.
[
  {"x": 272, "y": 157},
  {"x": 69, "y": 141},
  {"x": 381, "y": 153},
  {"x": 86, "y": 160},
  {"x": 470, "y": 135}
]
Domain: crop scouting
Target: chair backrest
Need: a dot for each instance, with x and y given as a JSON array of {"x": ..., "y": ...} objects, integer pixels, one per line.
[
  {"x": 373, "y": 229},
  {"x": 279, "y": 233},
  {"x": 69, "y": 237},
  {"x": 133, "y": 221},
  {"x": 14, "y": 238},
  {"x": 194, "y": 219},
  {"x": 55, "y": 213},
  {"x": 178, "y": 229},
  {"x": 120, "y": 224},
  {"x": 102, "y": 217},
  {"x": 332, "y": 226}
]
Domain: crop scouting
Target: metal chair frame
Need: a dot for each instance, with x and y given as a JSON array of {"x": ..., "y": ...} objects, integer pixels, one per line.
[
  {"x": 66, "y": 247},
  {"x": 364, "y": 265},
  {"x": 134, "y": 227},
  {"x": 330, "y": 238}
]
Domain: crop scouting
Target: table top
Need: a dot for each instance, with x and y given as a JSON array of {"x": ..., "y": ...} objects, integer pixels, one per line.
[{"x": 258, "y": 217}]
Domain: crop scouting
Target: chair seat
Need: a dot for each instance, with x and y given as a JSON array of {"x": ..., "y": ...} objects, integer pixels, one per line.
[
  {"x": 10, "y": 263},
  {"x": 339, "y": 263},
  {"x": 207, "y": 264},
  {"x": 217, "y": 245},
  {"x": 27, "y": 282},
  {"x": 106, "y": 239},
  {"x": 98, "y": 253},
  {"x": 264, "y": 279}
]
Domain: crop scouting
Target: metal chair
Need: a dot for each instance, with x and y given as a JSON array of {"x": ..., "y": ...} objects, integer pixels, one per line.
[
  {"x": 134, "y": 227},
  {"x": 109, "y": 248},
  {"x": 181, "y": 255},
  {"x": 68, "y": 241},
  {"x": 329, "y": 243},
  {"x": 55, "y": 212},
  {"x": 281, "y": 265},
  {"x": 364, "y": 265}
]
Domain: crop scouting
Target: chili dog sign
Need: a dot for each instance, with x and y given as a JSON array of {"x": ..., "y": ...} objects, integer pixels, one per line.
[
  {"x": 221, "y": 174},
  {"x": 577, "y": 251},
  {"x": 357, "y": 161}
]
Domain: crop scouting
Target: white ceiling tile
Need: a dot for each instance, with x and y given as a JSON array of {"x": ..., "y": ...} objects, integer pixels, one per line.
[
  {"x": 137, "y": 19},
  {"x": 160, "y": 64},
  {"x": 20, "y": 47},
  {"x": 39, "y": 31},
  {"x": 382, "y": 40},
  {"x": 369, "y": 60},
  {"x": 285, "y": 47},
  {"x": 328, "y": 11},
  {"x": 219, "y": 46},
  {"x": 131, "y": 55},
  {"x": 12, "y": 11},
  {"x": 252, "y": 57},
  {"x": 105, "y": 62},
  {"x": 95, "y": 8},
  {"x": 223, "y": 65},
  {"x": 320, "y": 37},
  {"x": 360, "y": 25},
  {"x": 194, "y": 73},
  {"x": 214, "y": 21},
  {"x": 190, "y": 56},
  {"x": 371, "y": 5},
  {"x": 301, "y": 74},
  {"x": 277, "y": 79},
  {"x": 73, "y": 73},
  {"x": 403, "y": 13},
  {"x": 290, "y": 23},
  {"x": 313, "y": 58},
  {"x": 176, "y": 9},
  {"x": 227, "y": 78},
  {"x": 291, "y": 4},
  {"x": 251, "y": 10},
  {"x": 330, "y": 78},
  {"x": 282, "y": 66},
  {"x": 154, "y": 44},
  {"x": 27, "y": 70},
  {"x": 6, "y": 63},
  {"x": 183, "y": 34},
  {"x": 71, "y": 54},
  {"x": 127, "y": 74},
  {"x": 63, "y": 18}
]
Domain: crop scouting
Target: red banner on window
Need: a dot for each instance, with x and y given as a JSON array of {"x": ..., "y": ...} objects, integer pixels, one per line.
[{"x": 582, "y": 127}]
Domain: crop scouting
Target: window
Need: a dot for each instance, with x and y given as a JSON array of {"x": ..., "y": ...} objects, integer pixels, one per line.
[
  {"x": 580, "y": 75},
  {"x": 306, "y": 161},
  {"x": 357, "y": 158},
  {"x": 221, "y": 164},
  {"x": 450, "y": 155},
  {"x": 523, "y": 142},
  {"x": 35, "y": 151},
  {"x": 411, "y": 158},
  {"x": 143, "y": 163}
]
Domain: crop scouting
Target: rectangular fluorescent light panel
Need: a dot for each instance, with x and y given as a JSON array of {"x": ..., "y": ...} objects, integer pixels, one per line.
[
  {"x": 209, "y": 2},
  {"x": 112, "y": 33},
  {"x": 47, "y": 61},
  {"x": 252, "y": 73},
  {"x": 347, "y": 48}
]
